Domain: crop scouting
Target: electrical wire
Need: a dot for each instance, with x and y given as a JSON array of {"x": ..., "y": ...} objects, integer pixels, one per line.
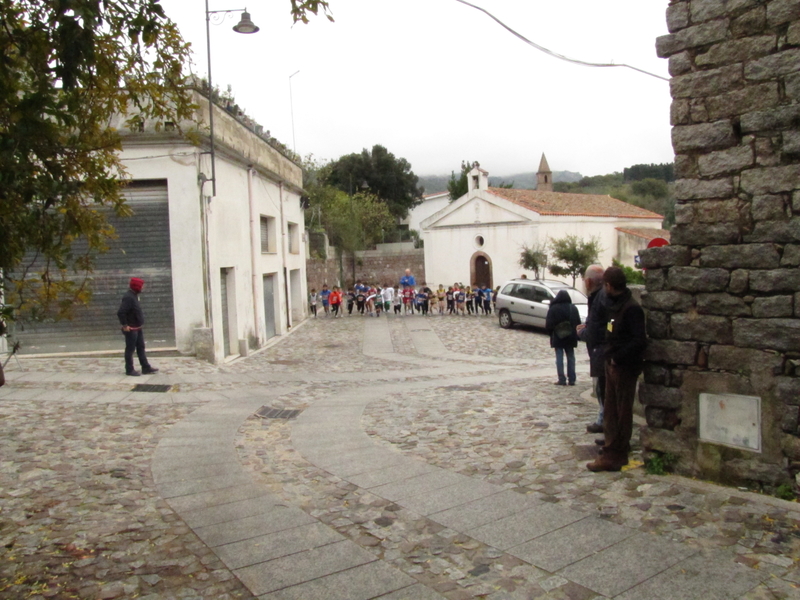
[
  {"x": 556, "y": 54},
  {"x": 159, "y": 156}
]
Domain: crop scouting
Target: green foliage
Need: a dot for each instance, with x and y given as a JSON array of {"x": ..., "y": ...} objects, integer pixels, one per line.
[
  {"x": 664, "y": 172},
  {"x": 655, "y": 188},
  {"x": 632, "y": 276},
  {"x": 301, "y": 8},
  {"x": 387, "y": 177},
  {"x": 785, "y": 491},
  {"x": 572, "y": 255},
  {"x": 534, "y": 258},
  {"x": 660, "y": 464},
  {"x": 457, "y": 187},
  {"x": 68, "y": 68}
]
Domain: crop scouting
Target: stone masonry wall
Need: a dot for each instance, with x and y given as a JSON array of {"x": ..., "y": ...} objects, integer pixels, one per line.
[
  {"x": 372, "y": 266},
  {"x": 724, "y": 300}
]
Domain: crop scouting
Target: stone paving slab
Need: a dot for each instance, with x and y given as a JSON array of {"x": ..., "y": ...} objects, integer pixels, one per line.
[
  {"x": 567, "y": 539},
  {"x": 625, "y": 564},
  {"x": 393, "y": 474},
  {"x": 488, "y": 509},
  {"x": 303, "y": 566},
  {"x": 275, "y": 518},
  {"x": 231, "y": 511},
  {"x": 512, "y": 531},
  {"x": 441, "y": 501},
  {"x": 420, "y": 484}
]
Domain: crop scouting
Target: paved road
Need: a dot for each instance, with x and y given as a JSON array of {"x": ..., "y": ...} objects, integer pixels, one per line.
[{"x": 429, "y": 458}]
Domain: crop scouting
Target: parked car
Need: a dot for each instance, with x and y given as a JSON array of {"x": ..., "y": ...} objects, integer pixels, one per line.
[{"x": 526, "y": 301}]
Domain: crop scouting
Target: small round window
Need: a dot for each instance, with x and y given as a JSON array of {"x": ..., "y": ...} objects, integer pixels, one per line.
[{"x": 479, "y": 241}]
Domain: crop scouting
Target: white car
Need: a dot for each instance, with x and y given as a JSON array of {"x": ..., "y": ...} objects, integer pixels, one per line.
[{"x": 526, "y": 301}]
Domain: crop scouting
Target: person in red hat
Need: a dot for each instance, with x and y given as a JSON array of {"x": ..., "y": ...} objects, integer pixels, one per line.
[{"x": 132, "y": 319}]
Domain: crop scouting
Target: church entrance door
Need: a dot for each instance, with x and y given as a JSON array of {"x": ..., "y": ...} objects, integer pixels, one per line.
[{"x": 481, "y": 270}]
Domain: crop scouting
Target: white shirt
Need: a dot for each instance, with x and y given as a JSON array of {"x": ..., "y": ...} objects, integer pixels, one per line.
[{"x": 387, "y": 294}]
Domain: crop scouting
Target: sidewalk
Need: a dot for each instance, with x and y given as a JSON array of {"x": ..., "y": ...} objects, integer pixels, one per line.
[{"x": 431, "y": 458}]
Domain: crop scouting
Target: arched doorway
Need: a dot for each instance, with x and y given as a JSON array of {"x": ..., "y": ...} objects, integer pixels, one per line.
[{"x": 481, "y": 270}]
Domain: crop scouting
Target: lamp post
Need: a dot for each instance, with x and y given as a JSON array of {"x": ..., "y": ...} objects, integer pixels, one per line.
[
  {"x": 291, "y": 108},
  {"x": 245, "y": 25}
]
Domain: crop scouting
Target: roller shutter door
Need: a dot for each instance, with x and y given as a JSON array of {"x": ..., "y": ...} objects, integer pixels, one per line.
[{"x": 142, "y": 249}]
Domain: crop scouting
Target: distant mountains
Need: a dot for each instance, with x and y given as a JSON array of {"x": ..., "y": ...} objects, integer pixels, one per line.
[{"x": 522, "y": 181}]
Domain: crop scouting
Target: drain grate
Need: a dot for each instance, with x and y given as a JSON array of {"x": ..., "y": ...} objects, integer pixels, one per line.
[
  {"x": 267, "y": 412},
  {"x": 151, "y": 387}
]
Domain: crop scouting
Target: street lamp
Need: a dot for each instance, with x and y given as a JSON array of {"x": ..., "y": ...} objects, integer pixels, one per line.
[
  {"x": 245, "y": 25},
  {"x": 291, "y": 108}
]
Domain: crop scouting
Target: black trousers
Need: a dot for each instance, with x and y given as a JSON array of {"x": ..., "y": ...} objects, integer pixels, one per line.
[
  {"x": 618, "y": 411},
  {"x": 134, "y": 340}
]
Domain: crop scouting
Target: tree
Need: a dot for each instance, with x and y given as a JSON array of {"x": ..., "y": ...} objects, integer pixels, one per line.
[
  {"x": 632, "y": 276},
  {"x": 387, "y": 177},
  {"x": 67, "y": 69},
  {"x": 534, "y": 258},
  {"x": 457, "y": 187},
  {"x": 574, "y": 255}
]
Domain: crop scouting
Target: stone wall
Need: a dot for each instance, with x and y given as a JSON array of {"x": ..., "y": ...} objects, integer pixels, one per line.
[
  {"x": 723, "y": 301},
  {"x": 372, "y": 266}
]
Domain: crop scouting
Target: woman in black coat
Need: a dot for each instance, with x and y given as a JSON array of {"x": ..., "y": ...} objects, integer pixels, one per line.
[{"x": 562, "y": 319}]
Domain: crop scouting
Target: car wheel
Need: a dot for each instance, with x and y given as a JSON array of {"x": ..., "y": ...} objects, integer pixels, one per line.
[{"x": 505, "y": 319}]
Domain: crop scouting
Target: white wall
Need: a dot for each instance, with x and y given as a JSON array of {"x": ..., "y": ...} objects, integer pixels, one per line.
[{"x": 428, "y": 207}]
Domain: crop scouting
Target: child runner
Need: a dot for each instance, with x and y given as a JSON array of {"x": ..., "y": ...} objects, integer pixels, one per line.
[
  {"x": 440, "y": 299},
  {"x": 460, "y": 298},
  {"x": 361, "y": 301},
  {"x": 312, "y": 301},
  {"x": 371, "y": 301},
  {"x": 335, "y": 300},
  {"x": 468, "y": 299},
  {"x": 408, "y": 299},
  {"x": 324, "y": 296},
  {"x": 398, "y": 301},
  {"x": 388, "y": 297},
  {"x": 451, "y": 300},
  {"x": 351, "y": 300},
  {"x": 477, "y": 297}
]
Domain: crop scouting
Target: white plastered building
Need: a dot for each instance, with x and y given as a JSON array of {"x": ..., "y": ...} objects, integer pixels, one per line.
[{"x": 479, "y": 237}]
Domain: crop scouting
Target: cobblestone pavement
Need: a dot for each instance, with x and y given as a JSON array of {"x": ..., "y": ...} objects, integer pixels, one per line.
[{"x": 80, "y": 515}]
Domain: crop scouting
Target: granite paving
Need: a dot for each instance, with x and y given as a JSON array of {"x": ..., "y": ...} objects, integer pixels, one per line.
[{"x": 432, "y": 457}]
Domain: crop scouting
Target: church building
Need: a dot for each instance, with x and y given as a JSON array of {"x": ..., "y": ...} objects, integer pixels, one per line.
[{"x": 479, "y": 237}]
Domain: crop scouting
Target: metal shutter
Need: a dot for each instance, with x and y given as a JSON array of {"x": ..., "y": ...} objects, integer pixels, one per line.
[{"x": 142, "y": 249}]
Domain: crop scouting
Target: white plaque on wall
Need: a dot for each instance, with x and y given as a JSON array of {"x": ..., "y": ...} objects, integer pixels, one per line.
[{"x": 731, "y": 420}]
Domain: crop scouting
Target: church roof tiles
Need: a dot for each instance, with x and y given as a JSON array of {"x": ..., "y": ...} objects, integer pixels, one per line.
[{"x": 585, "y": 205}]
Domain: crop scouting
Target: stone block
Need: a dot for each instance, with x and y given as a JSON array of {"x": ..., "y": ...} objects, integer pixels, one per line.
[
  {"x": 707, "y": 83},
  {"x": 680, "y": 64},
  {"x": 661, "y": 418},
  {"x": 775, "y": 231},
  {"x": 694, "y": 280},
  {"x": 790, "y": 444},
  {"x": 705, "y": 10},
  {"x": 684, "y": 213},
  {"x": 670, "y": 301},
  {"x": 704, "y": 137},
  {"x": 751, "y": 23},
  {"x": 775, "y": 280},
  {"x": 791, "y": 142},
  {"x": 768, "y": 207},
  {"x": 793, "y": 35},
  {"x": 731, "y": 358},
  {"x": 655, "y": 279},
  {"x": 655, "y": 374},
  {"x": 666, "y": 256},
  {"x": 789, "y": 418},
  {"x": 797, "y": 304},
  {"x": 740, "y": 280},
  {"x": 657, "y": 325},
  {"x": 676, "y": 377},
  {"x": 792, "y": 86},
  {"x": 680, "y": 112},
  {"x": 722, "y": 304},
  {"x": 743, "y": 101},
  {"x": 791, "y": 256},
  {"x": 773, "y": 307},
  {"x": 660, "y": 396},
  {"x": 686, "y": 167},
  {"x": 725, "y": 161},
  {"x": 705, "y": 233},
  {"x": 768, "y": 334},
  {"x": 737, "y": 51},
  {"x": 691, "y": 37},
  {"x": 677, "y": 17},
  {"x": 743, "y": 256},
  {"x": 796, "y": 201},
  {"x": 771, "y": 180},
  {"x": 769, "y": 119},
  {"x": 662, "y": 440},
  {"x": 768, "y": 151},
  {"x": 773, "y": 66},
  {"x": 782, "y": 11},
  {"x": 701, "y": 328},
  {"x": 755, "y": 469},
  {"x": 696, "y": 189},
  {"x": 671, "y": 352},
  {"x": 709, "y": 211},
  {"x": 787, "y": 390}
]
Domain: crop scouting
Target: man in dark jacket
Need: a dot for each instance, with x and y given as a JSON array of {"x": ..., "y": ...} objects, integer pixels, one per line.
[
  {"x": 626, "y": 341},
  {"x": 561, "y": 323},
  {"x": 593, "y": 333},
  {"x": 132, "y": 319}
]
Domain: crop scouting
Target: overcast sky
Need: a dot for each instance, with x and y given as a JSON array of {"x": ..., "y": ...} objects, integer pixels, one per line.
[{"x": 438, "y": 82}]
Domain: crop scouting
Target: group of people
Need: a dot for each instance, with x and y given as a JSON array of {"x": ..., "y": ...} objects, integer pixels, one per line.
[
  {"x": 615, "y": 338},
  {"x": 404, "y": 299}
]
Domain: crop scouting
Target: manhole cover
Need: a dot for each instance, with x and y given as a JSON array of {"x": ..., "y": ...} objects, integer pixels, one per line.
[
  {"x": 267, "y": 412},
  {"x": 151, "y": 387}
]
